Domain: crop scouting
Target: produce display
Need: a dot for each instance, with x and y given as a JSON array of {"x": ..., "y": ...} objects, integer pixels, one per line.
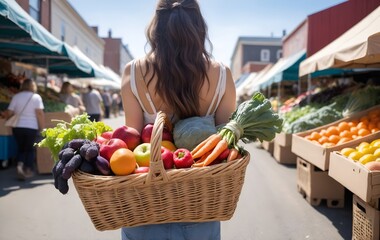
[
  {"x": 366, "y": 153},
  {"x": 346, "y": 131},
  {"x": 95, "y": 148},
  {"x": 328, "y": 106}
]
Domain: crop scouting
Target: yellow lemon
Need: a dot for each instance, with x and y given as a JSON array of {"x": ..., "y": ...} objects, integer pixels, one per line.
[
  {"x": 367, "y": 158},
  {"x": 376, "y": 153},
  {"x": 375, "y": 143},
  {"x": 347, "y": 151},
  {"x": 355, "y": 155},
  {"x": 362, "y": 145},
  {"x": 368, "y": 150}
]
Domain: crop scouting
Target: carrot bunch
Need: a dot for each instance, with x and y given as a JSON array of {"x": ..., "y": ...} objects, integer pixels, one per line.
[{"x": 253, "y": 120}]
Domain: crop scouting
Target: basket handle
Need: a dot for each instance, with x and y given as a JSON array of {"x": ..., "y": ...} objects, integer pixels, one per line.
[{"x": 157, "y": 172}]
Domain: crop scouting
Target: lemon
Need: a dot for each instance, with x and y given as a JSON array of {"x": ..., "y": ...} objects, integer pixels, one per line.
[
  {"x": 375, "y": 143},
  {"x": 376, "y": 153},
  {"x": 347, "y": 151},
  {"x": 367, "y": 158},
  {"x": 362, "y": 145},
  {"x": 368, "y": 150},
  {"x": 355, "y": 155}
]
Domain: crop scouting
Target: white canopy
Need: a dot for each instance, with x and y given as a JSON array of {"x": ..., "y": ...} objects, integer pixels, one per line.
[{"x": 358, "y": 47}]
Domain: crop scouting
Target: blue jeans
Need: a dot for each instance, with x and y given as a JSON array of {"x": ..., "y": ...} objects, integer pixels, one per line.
[{"x": 173, "y": 231}]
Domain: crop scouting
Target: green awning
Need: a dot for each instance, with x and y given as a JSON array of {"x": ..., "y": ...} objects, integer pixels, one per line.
[
  {"x": 286, "y": 69},
  {"x": 25, "y": 40}
]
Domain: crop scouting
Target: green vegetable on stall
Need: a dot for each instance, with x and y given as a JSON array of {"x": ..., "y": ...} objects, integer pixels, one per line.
[{"x": 80, "y": 127}]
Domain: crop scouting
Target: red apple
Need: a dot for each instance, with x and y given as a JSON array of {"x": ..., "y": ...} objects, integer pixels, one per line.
[
  {"x": 129, "y": 135},
  {"x": 107, "y": 135},
  {"x": 141, "y": 170},
  {"x": 142, "y": 154},
  {"x": 167, "y": 158},
  {"x": 100, "y": 140},
  {"x": 110, "y": 146},
  {"x": 146, "y": 134}
]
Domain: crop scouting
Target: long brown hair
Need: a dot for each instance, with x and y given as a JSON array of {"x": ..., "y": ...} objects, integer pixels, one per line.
[{"x": 177, "y": 35}]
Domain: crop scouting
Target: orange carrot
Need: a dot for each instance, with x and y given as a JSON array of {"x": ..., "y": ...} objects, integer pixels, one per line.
[
  {"x": 201, "y": 144},
  {"x": 219, "y": 148},
  {"x": 199, "y": 162},
  {"x": 233, "y": 154},
  {"x": 208, "y": 146}
]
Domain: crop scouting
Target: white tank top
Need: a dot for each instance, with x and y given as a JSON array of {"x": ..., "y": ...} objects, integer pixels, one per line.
[{"x": 150, "y": 117}]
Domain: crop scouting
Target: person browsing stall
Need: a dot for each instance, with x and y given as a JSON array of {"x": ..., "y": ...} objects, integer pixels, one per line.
[{"x": 179, "y": 77}]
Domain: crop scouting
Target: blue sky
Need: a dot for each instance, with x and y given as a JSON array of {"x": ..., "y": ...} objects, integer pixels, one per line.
[{"x": 227, "y": 20}]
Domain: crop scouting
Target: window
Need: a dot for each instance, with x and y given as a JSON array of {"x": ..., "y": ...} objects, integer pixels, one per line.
[
  {"x": 279, "y": 54},
  {"x": 264, "y": 55},
  {"x": 34, "y": 9},
  {"x": 63, "y": 30}
]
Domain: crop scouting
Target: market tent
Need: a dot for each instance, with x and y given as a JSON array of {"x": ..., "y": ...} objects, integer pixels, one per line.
[
  {"x": 240, "y": 89},
  {"x": 25, "y": 40},
  {"x": 358, "y": 47},
  {"x": 95, "y": 82},
  {"x": 254, "y": 85},
  {"x": 285, "y": 69}
]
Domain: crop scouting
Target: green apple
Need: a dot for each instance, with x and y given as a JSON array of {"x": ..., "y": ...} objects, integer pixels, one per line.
[{"x": 142, "y": 154}]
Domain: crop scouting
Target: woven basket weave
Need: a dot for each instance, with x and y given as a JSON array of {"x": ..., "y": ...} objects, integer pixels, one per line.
[{"x": 161, "y": 196}]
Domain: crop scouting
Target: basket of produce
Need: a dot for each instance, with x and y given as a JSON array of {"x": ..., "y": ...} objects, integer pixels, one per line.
[{"x": 202, "y": 184}]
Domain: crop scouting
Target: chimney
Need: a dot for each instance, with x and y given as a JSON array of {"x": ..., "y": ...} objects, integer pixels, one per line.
[
  {"x": 95, "y": 28},
  {"x": 284, "y": 33},
  {"x": 110, "y": 33}
]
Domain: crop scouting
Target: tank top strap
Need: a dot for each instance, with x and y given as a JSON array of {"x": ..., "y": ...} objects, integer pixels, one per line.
[
  {"x": 135, "y": 91},
  {"x": 219, "y": 91}
]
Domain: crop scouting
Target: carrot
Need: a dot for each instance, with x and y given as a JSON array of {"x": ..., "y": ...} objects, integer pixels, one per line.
[
  {"x": 219, "y": 148},
  {"x": 201, "y": 144},
  {"x": 211, "y": 142},
  {"x": 199, "y": 162},
  {"x": 232, "y": 155}
]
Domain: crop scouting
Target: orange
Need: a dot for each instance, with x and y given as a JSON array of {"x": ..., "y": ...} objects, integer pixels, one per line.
[
  {"x": 345, "y": 133},
  {"x": 373, "y": 130},
  {"x": 334, "y": 139},
  {"x": 342, "y": 126},
  {"x": 169, "y": 145},
  {"x": 333, "y": 130},
  {"x": 315, "y": 136},
  {"x": 361, "y": 125},
  {"x": 363, "y": 132},
  {"x": 323, "y": 140},
  {"x": 323, "y": 132},
  {"x": 364, "y": 120},
  {"x": 354, "y": 130},
  {"x": 344, "y": 140},
  {"x": 123, "y": 162}
]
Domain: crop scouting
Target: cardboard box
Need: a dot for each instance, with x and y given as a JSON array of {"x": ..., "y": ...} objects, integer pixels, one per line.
[
  {"x": 269, "y": 146},
  {"x": 283, "y": 139},
  {"x": 284, "y": 155},
  {"x": 316, "y": 185},
  {"x": 365, "y": 220},
  {"x": 320, "y": 155},
  {"x": 356, "y": 178},
  {"x": 45, "y": 162},
  {"x": 49, "y": 116},
  {"x": 4, "y": 131}
]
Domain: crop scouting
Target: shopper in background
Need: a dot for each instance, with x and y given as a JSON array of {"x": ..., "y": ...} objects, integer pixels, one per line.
[
  {"x": 107, "y": 102},
  {"x": 179, "y": 78},
  {"x": 30, "y": 108},
  {"x": 116, "y": 100},
  {"x": 94, "y": 103},
  {"x": 68, "y": 96}
]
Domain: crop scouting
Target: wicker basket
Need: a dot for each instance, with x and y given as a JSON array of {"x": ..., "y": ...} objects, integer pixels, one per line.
[{"x": 161, "y": 196}]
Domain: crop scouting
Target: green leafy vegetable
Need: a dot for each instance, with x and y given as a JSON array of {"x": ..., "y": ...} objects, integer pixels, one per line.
[
  {"x": 253, "y": 120},
  {"x": 80, "y": 127}
]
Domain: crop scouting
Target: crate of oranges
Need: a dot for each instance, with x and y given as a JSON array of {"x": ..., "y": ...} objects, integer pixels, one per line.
[
  {"x": 315, "y": 145},
  {"x": 358, "y": 169}
]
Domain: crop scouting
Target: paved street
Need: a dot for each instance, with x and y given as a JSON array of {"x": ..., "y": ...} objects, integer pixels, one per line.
[{"x": 269, "y": 208}]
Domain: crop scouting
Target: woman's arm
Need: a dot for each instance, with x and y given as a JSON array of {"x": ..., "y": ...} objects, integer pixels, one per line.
[
  {"x": 40, "y": 118},
  {"x": 131, "y": 106},
  {"x": 228, "y": 103}
]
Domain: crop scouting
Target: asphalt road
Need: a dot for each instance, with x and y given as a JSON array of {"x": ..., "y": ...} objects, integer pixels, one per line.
[{"x": 269, "y": 207}]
